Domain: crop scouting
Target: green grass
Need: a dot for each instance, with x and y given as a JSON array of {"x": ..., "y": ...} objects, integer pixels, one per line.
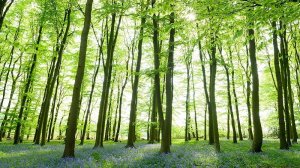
[{"x": 184, "y": 154}]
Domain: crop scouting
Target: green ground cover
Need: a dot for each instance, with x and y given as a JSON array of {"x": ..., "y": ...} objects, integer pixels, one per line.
[{"x": 190, "y": 154}]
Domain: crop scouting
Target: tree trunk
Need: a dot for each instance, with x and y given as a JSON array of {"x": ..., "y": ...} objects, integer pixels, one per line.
[
  {"x": 53, "y": 110},
  {"x": 210, "y": 121},
  {"x": 258, "y": 136},
  {"x": 106, "y": 82},
  {"x": 116, "y": 139},
  {"x": 153, "y": 125},
  {"x": 116, "y": 114},
  {"x": 248, "y": 91},
  {"x": 149, "y": 119},
  {"x": 166, "y": 130},
  {"x": 16, "y": 37},
  {"x": 108, "y": 120},
  {"x": 60, "y": 99},
  {"x": 293, "y": 131},
  {"x": 54, "y": 77},
  {"x": 134, "y": 97},
  {"x": 228, "y": 123},
  {"x": 297, "y": 57},
  {"x": 282, "y": 138},
  {"x": 75, "y": 108},
  {"x": 27, "y": 87},
  {"x": 235, "y": 98},
  {"x": 284, "y": 77},
  {"x": 12, "y": 91},
  {"x": 194, "y": 106},
  {"x": 187, "y": 136},
  {"x": 234, "y": 137}
]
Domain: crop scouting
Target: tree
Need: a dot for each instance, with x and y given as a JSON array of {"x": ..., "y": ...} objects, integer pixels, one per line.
[
  {"x": 235, "y": 97},
  {"x": 28, "y": 84},
  {"x": 282, "y": 138},
  {"x": 74, "y": 110},
  {"x": 111, "y": 41},
  {"x": 133, "y": 107},
  {"x": 258, "y": 136},
  {"x": 49, "y": 89},
  {"x": 229, "y": 104}
]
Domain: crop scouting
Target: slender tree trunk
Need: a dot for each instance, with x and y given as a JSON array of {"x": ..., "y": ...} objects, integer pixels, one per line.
[
  {"x": 194, "y": 106},
  {"x": 12, "y": 118},
  {"x": 228, "y": 123},
  {"x": 60, "y": 128},
  {"x": 106, "y": 82},
  {"x": 187, "y": 101},
  {"x": 284, "y": 77},
  {"x": 166, "y": 130},
  {"x": 282, "y": 138},
  {"x": 258, "y": 136},
  {"x": 235, "y": 98},
  {"x": 247, "y": 90},
  {"x": 16, "y": 37},
  {"x": 91, "y": 93},
  {"x": 75, "y": 108},
  {"x": 205, "y": 120},
  {"x": 213, "y": 70},
  {"x": 153, "y": 125},
  {"x": 108, "y": 120},
  {"x": 116, "y": 139},
  {"x": 210, "y": 121},
  {"x": 149, "y": 119},
  {"x": 156, "y": 49},
  {"x": 37, "y": 135},
  {"x": 27, "y": 87},
  {"x": 248, "y": 93},
  {"x": 60, "y": 99},
  {"x": 12, "y": 91},
  {"x": 234, "y": 137},
  {"x": 297, "y": 57},
  {"x": 54, "y": 77},
  {"x": 134, "y": 97},
  {"x": 116, "y": 114},
  {"x": 53, "y": 110},
  {"x": 293, "y": 131}
]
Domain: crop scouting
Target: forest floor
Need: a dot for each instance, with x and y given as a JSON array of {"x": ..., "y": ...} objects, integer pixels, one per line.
[{"x": 184, "y": 154}]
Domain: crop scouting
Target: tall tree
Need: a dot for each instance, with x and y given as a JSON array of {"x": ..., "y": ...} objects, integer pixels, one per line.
[
  {"x": 9, "y": 69},
  {"x": 258, "y": 136},
  {"x": 188, "y": 60},
  {"x": 28, "y": 84},
  {"x": 194, "y": 105},
  {"x": 210, "y": 121},
  {"x": 229, "y": 102},
  {"x": 12, "y": 91},
  {"x": 166, "y": 130},
  {"x": 57, "y": 67},
  {"x": 111, "y": 41},
  {"x": 235, "y": 96},
  {"x": 74, "y": 110},
  {"x": 285, "y": 77},
  {"x": 134, "y": 97},
  {"x": 282, "y": 138},
  {"x": 247, "y": 91}
]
